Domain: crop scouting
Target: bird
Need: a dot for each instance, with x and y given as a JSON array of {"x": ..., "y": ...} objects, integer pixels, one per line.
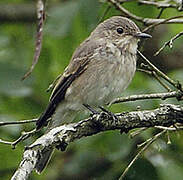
[{"x": 100, "y": 69}]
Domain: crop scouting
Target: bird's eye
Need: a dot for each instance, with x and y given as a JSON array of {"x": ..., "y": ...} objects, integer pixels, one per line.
[{"x": 120, "y": 30}]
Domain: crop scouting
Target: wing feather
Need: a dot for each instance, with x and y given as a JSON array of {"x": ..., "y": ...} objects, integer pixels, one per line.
[{"x": 77, "y": 66}]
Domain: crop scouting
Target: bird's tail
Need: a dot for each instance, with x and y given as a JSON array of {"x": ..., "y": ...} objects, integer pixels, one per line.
[
  {"x": 60, "y": 117},
  {"x": 43, "y": 160}
]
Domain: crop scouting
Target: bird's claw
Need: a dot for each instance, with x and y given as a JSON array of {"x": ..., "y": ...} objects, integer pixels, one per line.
[
  {"x": 109, "y": 113},
  {"x": 93, "y": 111}
]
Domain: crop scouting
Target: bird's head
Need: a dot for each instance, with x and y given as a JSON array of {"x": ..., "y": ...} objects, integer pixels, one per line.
[{"x": 120, "y": 31}]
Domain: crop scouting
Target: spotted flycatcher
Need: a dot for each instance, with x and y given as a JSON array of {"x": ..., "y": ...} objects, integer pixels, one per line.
[{"x": 100, "y": 69}]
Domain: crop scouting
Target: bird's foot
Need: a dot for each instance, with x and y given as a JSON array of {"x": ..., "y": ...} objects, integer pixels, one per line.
[
  {"x": 93, "y": 111},
  {"x": 94, "y": 123},
  {"x": 109, "y": 113},
  {"x": 115, "y": 118}
]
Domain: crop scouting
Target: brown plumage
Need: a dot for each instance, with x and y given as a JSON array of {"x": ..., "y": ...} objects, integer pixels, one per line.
[{"x": 99, "y": 70}]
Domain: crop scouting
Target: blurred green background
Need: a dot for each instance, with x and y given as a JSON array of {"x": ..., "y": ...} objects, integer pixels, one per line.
[{"x": 103, "y": 156}]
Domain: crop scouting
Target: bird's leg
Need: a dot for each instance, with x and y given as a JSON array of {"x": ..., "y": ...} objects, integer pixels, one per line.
[
  {"x": 109, "y": 113},
  {"x": 93, "y": 111},
  {"x": 94, "y": 123}
]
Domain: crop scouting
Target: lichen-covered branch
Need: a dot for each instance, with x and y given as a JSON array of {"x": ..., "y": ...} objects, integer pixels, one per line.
[{"x": 62, "y": 136}]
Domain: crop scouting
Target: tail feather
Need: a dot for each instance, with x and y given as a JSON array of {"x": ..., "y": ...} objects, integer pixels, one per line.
[
  {"x": 43, "y": 160},
  {"x": 61, "y": 116},
  {"x": 42, "y": 121}
]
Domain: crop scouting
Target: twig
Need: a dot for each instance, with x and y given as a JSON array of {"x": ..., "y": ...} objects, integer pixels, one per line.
[
  {"x": 5, "y": 142},
  {"x": 24, "y": 135},
  {"x": 169, "y": 43},
  {"x": 160, "y": 81},
  {"x": 147, "y": 69},
  {"x": 153, "y": 73},
  {"x": 162, "y": 128},
  {"x": 162, "y": 96},
  {"x": 149, "y": 72},
  {"x": 137, "y": 132},
  {"x": 180, "y": 3},
  {"x": 169, "y": 128},
  {"x": 146, "y": 21},
  {"x": 17, "y": 122},
  {"x": 140, "y": 152},
  {"x": 124, "y": 11},
  {"x": 168, "y": 137},
  {"x": 160, "y": 13},
  {"x": 158, "y": 4},
  {"x": 144, "y": 143},
  {"x": 124, "y": 1},
  {"x": 39, "y": 36},
  {"x": 160, "y": 73},
  {"x": 162, "y": 21}
]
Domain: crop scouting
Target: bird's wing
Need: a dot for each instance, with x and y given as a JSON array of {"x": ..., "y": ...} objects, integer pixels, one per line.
[{"x": 77, "y": 66}]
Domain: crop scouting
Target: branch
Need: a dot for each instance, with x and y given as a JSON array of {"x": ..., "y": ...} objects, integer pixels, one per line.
[
  {"x": 169, "y": 43},
  {"x": 163, "y": 96},
  {"x": 39, "y": 36},
  {"x": 176, "y": 84},
  {"x": 163, "y": 21},
  {"x": 62, "y": 136},
  {"x": 17, "y": 122},
  {"x": 152, "y": 73},
  {"x": 24, "y": 136},
  {"x": 146, "y": 21},
  {"x": 159, "y": 4},
  {"x": 140, "y": 152}
]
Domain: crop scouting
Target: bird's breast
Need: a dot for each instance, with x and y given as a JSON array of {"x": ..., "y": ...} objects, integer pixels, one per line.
[
  {"x": 105, "y": 78},
  {"x": 122, "y": 74}
]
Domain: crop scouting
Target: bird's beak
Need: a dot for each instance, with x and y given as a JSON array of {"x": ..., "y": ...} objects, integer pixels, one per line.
[{"x": 142, "y": 35}]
